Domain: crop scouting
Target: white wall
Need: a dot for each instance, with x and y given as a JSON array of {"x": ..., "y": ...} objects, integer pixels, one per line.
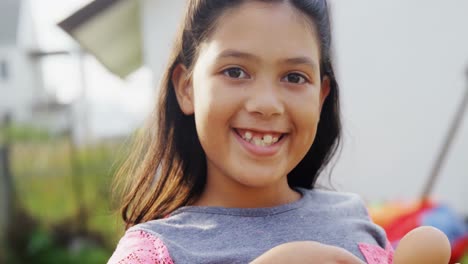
[
  {"x": 6, "y": 82},
  {"x": 160, "y": 21},
  {"x": 24, "y": 85},
  {"x": 17, "y": 92},
  {"x": 401, "y": 68}
]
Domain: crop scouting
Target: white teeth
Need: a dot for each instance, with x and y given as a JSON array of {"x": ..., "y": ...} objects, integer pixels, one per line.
[
  {"x": 248, "y": 135},
  {"x": 267, "y": 139},
  {"x": 257, "y": 141}
]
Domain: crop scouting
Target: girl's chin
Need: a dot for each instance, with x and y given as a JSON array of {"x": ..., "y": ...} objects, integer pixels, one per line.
[{"x": 260, "y": 179}]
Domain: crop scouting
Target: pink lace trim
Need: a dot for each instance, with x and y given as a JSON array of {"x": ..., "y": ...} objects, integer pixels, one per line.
[
  {"x": 138, "y": 247},
  {"x": 377, "y": 255}
]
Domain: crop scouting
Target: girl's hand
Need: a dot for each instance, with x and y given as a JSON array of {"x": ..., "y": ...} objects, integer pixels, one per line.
[
  {"x": 307, "y": 252},
  {"x": 423, "y": 245}
]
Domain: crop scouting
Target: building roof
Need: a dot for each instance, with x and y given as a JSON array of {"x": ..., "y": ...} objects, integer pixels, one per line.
[
  {"x": 9, "y": 17},
  {"x": 110, "y": 30}
]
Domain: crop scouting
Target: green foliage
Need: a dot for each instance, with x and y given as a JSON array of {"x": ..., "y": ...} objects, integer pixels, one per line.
[
  {"x": 21, "y": 133},
  {"x": 43, "y": 248},
  {"x": 60, "y": 184},
  {"x": 464, "y": 259}
]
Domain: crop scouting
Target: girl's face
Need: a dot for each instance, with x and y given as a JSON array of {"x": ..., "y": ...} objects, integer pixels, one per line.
[{"x": 256, "y": 95}]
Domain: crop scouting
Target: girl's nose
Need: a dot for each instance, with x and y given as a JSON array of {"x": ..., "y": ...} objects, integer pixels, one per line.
[{"x": 265, "y": 101}]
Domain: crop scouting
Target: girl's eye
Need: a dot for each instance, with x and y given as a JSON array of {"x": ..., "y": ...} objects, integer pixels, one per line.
[
  {"x": 236, "y": 73},
  {"x": 295, "y": 78}
]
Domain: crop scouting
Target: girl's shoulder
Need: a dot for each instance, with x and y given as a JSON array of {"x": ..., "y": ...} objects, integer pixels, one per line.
[
  {"x": 351, "y": 220},
  {"x": 326, "y": 199},
  {"x": 140, "y": 246}
]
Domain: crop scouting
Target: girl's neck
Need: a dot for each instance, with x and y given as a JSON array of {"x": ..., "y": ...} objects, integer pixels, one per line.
[{"x": 239, "y": 196}]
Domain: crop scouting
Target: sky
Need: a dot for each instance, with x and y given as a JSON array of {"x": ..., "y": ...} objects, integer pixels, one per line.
[{"x": 120, "y": 104}]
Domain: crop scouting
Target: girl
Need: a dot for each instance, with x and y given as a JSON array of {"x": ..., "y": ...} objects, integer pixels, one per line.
[{"x": 228, "y": 170}]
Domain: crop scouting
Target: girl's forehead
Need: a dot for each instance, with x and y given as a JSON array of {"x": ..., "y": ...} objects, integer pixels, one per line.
[
  {"x": 273, "y": 11},
  {"x": 265, "y": 30}
]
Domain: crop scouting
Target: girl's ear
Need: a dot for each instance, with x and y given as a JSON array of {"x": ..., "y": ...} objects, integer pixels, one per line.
[
  {"x": 183, "y": 88},
  {"x": 324, "y": 90}
]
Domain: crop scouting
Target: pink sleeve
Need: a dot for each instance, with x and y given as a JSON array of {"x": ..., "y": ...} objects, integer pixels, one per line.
[
  {"x": 377, "y": 255},
  {"x": 138, "y": 247}
]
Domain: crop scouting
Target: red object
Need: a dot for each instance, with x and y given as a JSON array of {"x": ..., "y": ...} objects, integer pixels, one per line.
[
  {"x": 406, "y": 222},
  {"x": 458, "y": 249},
  {"x": 403, "y": 221}
]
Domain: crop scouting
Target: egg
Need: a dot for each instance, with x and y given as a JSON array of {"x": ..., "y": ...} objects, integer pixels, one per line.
[{"x": 423, "y": 245}]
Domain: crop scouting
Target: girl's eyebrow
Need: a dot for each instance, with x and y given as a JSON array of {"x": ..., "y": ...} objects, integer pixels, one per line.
[
  {"x": 302, "y": 60},
  {"x": 237, "y": 54},
  {"x": 231, "y": 53}
]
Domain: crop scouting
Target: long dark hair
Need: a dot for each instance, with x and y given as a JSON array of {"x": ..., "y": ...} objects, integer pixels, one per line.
[{"x": 167, "y": 169}]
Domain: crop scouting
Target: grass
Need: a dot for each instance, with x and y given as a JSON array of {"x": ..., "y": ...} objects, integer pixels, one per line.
[{"x": 53, "y": 181}]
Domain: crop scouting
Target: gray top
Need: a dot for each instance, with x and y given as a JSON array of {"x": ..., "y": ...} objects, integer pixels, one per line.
[{"x": 197, "y": 234}]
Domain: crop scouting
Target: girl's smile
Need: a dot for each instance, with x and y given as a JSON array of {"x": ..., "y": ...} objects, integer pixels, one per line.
[{"x": 260, "y": 142}]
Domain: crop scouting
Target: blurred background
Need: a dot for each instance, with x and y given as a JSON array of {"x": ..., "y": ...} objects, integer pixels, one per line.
[{"x": 78, "y": 78}]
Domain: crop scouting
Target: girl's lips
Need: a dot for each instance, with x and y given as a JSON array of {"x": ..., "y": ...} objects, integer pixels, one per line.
[{"x": 260, "y": 150}]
